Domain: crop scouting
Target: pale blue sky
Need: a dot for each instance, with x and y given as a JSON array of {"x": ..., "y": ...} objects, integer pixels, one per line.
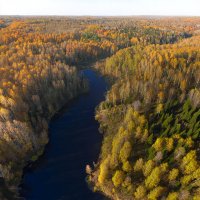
[{"x": 100, "y": 7}]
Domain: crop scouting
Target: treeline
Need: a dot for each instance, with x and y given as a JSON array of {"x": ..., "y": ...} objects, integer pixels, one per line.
[
  {"x": 72, "y": 24},
  {"x": 151, "y": 121},
  {"x": 96, "y": 42},
  {"x": 90, "y": 39}
]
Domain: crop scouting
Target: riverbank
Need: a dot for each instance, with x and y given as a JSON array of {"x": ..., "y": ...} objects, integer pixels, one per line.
[{"x": 74, "y": 143}]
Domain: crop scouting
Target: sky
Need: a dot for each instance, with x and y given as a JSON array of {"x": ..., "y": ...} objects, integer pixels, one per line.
[{"x": 100, "y": 7}]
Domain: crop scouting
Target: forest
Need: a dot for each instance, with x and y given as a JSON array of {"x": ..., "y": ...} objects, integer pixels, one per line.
[{"x": 150, "y": 119}]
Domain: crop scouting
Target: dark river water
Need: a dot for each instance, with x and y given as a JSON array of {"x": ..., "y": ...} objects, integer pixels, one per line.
[{"x": 74, "y": 142}]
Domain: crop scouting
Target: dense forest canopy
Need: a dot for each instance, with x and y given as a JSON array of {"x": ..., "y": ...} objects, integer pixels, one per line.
[
  {"x": 35, "y": 82},
  {"x": 150, "y": 117},
  {"x": 151, "y": 121}
]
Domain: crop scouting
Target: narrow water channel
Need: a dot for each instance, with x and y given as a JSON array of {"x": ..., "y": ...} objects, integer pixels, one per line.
[{"x": 74, "y": 143}]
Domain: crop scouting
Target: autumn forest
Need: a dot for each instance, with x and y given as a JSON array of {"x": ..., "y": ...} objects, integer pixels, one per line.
[{"x": 150, "y": 116}]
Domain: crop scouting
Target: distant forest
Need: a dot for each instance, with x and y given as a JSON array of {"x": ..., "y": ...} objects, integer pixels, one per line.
[{"x": 150, "y": 118}]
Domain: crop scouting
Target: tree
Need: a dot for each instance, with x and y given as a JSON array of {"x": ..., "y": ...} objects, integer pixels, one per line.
[
  {"x": 184, "y": 194},
  {"x": 140, "y": 192},
  {"x": 148, "y": 167},
  {"x": 125, "y": 152},
  {"x": 134, "y": 40},
  {"x": 172, "y": 196},
  {"x": 159, "y": 108},
  {"x": 127, "y": 166},
  {"x": 189, "y": 163},
  {"x": 156, "y": 193},
  {"x": 118, "y": 178},
  {"x": 158, "y": 145},
  {"x": 173, "y": 174},
  {"x": 138, "y": 165},
  {"x": 169, "y": 144},
  {"x": 104, "y": 171},
  {"x": 138, "y": 132},
  {"x": 153, "y": 179}
]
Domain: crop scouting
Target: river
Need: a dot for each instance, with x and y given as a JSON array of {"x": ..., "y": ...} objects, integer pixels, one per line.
[{"x": 74, "y": 142}]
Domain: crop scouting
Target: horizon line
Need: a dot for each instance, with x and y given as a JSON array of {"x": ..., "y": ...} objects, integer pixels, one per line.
[{"x": 61, "y": 15}]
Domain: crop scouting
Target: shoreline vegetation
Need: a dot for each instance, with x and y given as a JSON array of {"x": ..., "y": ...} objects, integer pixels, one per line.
[
  {"x": 152, "y": 65},
  {"x": 151, "y": 137}
]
